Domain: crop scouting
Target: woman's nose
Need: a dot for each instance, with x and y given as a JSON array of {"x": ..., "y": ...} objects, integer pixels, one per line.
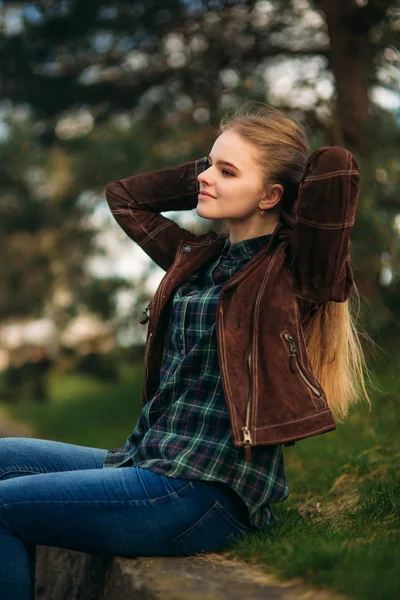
[{"x": 205, "y": 176}]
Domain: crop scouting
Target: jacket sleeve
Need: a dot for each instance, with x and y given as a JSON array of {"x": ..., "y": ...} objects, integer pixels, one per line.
[
  {"x": 325, "y": 214},
  {"x": 136, "y": 203}
]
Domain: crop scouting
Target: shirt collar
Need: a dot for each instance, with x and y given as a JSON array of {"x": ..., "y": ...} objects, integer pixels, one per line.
[{"x": 244, "y": 248}]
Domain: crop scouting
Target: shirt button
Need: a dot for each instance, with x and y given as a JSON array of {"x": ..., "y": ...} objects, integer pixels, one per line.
[
  {"x": 181, "y": 337},
  {"x": 186, "y": 249},
  {"x": 182, "y": 352}
]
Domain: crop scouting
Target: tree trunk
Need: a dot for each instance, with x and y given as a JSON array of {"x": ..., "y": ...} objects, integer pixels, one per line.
[{"x": 349, "y": 60}]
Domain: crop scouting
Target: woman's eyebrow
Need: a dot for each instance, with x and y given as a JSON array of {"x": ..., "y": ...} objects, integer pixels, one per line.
[{"x": 224, "y": 162}]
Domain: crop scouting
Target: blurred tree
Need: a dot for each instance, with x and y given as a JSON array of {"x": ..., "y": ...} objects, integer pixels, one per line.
[
  {"x": 25, "y": 266},
  {"x": 175, "y": 65},
  {"x": 190, "y": 56},
  {"x": 362, "y": 39},
  {"x": 46, "y": 235}
]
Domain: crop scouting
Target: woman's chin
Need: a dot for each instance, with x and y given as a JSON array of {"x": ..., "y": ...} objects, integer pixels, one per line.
[{"x": 203, "y": 213}]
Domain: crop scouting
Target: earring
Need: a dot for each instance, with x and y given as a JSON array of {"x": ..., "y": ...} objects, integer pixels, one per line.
[{"x": 262, "y": 212}]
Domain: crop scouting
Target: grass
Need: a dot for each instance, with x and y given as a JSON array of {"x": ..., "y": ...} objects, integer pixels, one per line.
[
  {"x": 356, "y": 552},
  {"x": 339, "y": 528},
  {"x": 84, "y": 411}
]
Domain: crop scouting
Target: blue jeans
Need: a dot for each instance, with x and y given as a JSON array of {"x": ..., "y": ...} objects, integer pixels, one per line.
[{"x": 58, "y": 494}]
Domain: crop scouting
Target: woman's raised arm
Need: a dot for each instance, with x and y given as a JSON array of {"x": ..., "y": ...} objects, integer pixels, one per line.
[
  {"x": 326, "y": 208},
  {"x": 136, "y": 203}
]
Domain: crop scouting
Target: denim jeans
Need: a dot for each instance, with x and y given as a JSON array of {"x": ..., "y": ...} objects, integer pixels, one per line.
[{"x": 58, "y": 494}]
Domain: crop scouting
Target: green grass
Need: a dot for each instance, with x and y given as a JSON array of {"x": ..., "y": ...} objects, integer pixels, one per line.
[
  {"x": 357, "y": 552},
  {"x": 84, "y": 411},
  {"x": 340, "y": 526}
]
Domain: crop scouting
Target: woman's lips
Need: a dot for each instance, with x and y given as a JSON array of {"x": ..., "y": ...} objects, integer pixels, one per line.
[{"x": 203, "y": 193}]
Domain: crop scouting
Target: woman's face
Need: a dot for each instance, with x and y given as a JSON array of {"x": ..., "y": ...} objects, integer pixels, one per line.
[{"x": 234, "y": 180}]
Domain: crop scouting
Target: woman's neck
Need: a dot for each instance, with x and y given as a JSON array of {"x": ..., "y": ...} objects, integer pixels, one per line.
[{"x": 244, "y": 231}]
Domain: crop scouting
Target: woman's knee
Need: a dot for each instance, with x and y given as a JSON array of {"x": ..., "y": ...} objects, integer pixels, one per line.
[{"x": 16, "y": 456}]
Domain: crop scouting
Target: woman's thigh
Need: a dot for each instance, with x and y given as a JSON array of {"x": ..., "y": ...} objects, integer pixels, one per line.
[
  {"x": 126, "y": 511},
  {"x": 27, "y": 456}
]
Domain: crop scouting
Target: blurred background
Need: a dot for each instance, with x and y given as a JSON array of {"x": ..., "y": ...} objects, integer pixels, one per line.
[{"x": 94, "y": 91}]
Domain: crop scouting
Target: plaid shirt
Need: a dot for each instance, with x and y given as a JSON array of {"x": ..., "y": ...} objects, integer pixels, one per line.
[{"x": 184, "y": 430}]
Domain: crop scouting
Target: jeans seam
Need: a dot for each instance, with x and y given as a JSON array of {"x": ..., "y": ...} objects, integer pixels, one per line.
[
  {"x": 180, "y": 537},
  {"x": 229, "y": 516},
  {"x": 171, "y": 494},
  {"x": 21, "y": 471},
  {"x": 126, "y": 502}
]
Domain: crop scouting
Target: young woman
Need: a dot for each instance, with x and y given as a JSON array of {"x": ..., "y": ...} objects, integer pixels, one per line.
[{"x": 251, "y": 345}]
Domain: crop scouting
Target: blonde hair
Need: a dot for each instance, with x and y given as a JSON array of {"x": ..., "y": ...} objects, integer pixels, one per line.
[{"x": 333, "y": 341}]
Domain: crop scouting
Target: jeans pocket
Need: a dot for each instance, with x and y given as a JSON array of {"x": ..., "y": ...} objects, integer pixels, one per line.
[{"x": 209, "y": 533}]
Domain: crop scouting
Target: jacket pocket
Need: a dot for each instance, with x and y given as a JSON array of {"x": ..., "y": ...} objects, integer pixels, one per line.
[
  {"x": 296, "y": 367},
  {"x": 215, "y": 528}
]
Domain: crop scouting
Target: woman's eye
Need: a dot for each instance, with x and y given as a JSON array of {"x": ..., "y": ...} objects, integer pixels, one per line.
[{"x": 224, "y": 172}]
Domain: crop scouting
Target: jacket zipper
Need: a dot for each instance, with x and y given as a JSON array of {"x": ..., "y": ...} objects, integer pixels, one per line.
[
  {"x": 294, "y": 363},
  {"x": 146, "y": 358},
  {"x": 248, "y": 442},
  {"x": 246, "y": 429},
  {"x": 147, "y": 349},
  {"x": 236, "y": 279}
]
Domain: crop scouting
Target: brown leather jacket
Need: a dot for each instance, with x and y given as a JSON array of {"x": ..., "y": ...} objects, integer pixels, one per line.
[{"x": 271, "y": 391}]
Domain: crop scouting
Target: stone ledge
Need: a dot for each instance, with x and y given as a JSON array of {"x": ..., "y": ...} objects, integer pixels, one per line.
[{"x": 67, "y": 575}]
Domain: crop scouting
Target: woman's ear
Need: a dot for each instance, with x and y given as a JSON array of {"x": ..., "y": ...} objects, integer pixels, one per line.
[{"x": 272, "y": 196}]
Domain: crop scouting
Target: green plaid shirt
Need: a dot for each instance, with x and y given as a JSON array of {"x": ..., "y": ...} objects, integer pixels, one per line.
[{"x": 184, "y": 430}]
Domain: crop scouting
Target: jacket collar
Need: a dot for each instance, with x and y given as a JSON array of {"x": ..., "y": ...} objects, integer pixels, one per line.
[{"x": 283, "y": 231}]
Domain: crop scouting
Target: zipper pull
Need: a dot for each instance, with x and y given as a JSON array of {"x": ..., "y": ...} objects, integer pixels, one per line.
[
  {"x": 143, "y": 320},
  {"x": 292, "y": 345},
  {"x": 293, "y": 351},
  {"x": 247, "y": 447},
  {"x": 292, "y": 363}
]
